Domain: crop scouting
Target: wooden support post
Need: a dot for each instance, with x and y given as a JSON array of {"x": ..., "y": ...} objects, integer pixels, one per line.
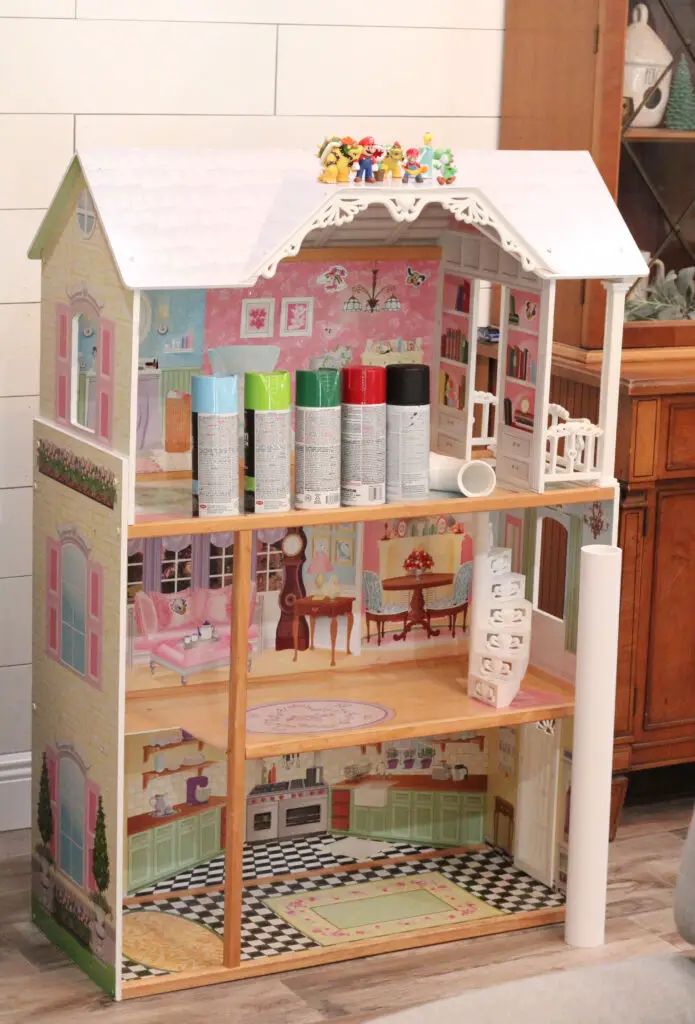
[
  {"x": 236, "y": 750},
  {"x": 610, "y": 377}
]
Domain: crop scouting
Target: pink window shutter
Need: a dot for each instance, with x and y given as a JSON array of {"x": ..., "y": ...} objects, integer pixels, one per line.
[
  {"x": 95, "y": 621},
  {"x": 52, "y": 766},
  {"x": 53, "y": 588},
  {"x": 63, "y": 348},
  {"x": 90, "y": 827},
  {"x": 105, "y": 381}
]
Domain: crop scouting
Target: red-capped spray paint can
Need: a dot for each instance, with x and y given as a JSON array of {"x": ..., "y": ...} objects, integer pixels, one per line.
[{"x": 363, "y": 436}]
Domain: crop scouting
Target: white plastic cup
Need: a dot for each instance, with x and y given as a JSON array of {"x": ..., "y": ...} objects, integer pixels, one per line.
[{"x": 475, "y": 479}]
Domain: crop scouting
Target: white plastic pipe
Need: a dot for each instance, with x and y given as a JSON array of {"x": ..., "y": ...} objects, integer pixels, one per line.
[
  {"x": 475, "y": 479},
  {"x": 592, "y": 753}
]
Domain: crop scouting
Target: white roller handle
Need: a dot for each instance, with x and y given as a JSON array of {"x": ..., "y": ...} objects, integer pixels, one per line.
[{"x": 475, "y": 479}]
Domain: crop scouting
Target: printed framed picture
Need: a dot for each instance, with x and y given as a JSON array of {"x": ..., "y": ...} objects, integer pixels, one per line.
[
  {"x": 320, "y": 541},
  {"x": 343, "y": 551},
  {"x": 296, "y": 317},
  {"x": 257, "y": 318}
]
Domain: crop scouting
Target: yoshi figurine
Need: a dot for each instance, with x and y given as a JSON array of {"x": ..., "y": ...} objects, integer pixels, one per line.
[{"x": 444, "y": 162}]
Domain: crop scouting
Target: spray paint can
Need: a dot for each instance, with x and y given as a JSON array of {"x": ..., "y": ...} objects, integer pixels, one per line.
[
  {"x": 363, "y": 436},
  {"x": 267, "y": 399},
  {"x": 317, "y": 439},
  {"x": 215, "y": 446},
  {"x": 407, "y": 431}
]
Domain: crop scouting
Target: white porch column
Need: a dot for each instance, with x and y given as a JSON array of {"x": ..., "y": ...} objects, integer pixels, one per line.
[
  {"x": 592, "y": 752},
  {"x": 610, "y": 376}
]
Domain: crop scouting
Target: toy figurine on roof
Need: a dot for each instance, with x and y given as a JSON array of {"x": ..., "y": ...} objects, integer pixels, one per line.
[
  {"x": 444, "y": 162},
  {"x": 412, "y": 168},
  {"x": 391, "y": 164},
  {"x": 337, "y": 157},
  {"x": 427, "y": 155},
  {"x": 369, "y": 154}
]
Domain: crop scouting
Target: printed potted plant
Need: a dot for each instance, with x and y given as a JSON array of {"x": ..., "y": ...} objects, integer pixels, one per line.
[
  {"x": 418, "y": 561},
  {"x": 425, "y": 757},
  {"x": 409, "y": 758},
  {"x": 391, "y": 758},
  {"x": 100, "y": 870}
]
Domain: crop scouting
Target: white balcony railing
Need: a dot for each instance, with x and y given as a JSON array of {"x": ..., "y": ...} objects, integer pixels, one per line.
[{"x": 571, "y": 446}]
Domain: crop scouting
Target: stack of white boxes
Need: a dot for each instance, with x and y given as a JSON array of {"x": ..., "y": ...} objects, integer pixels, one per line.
[{"x": 501, "y": 630}]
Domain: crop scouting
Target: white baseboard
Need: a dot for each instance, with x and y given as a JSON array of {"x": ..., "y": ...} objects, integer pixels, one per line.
[{"x": 15, "y": 791}]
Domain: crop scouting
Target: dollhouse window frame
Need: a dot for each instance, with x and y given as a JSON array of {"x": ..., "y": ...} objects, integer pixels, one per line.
[
  {"x": 70, "y": 770},
  {"x": 223, "y": 578},
  {"x": 180, "y": 580},
  {"x": 77, "y": 595},
  {"x": 93, "y": 605},
  {"x": 265, "y": 571},
  {"x": 85, "y": 215},
  {"x": 135, "y": 586}
]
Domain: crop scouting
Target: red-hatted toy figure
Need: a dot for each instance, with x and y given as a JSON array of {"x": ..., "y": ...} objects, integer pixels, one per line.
[
  {"x": 412, "y": 168},
  {"x": 368, "y": 157}
]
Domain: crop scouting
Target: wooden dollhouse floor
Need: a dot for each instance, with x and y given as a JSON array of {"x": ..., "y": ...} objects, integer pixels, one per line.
[{"x": 297, "y": 897}]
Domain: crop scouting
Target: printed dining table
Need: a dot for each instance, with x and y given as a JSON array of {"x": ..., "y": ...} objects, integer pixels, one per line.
[{"x": 417, "y": 585}]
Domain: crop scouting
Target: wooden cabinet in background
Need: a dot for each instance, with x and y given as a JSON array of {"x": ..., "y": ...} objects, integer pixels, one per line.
[
  {"x": 655, "y": 461},
  {"x": 562, "y": 88}
]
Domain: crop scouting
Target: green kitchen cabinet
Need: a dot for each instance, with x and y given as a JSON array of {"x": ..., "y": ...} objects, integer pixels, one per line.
[
  {"x": 210, "y": 833},
  {"x": 360, "y": 820},
  {"x": 164, "y": 849},
  {"x": 472, "y": 818},
  {"x": 441, "y": 818},
  {"x": 423, "y": 817},
  {"x": 400, "y": 805},
  {"x": 379, "y": 821},
  {"x": 188, "y": 846},
  {"x": 448, "y": 818},
  {"x": 140, "y": 859}
]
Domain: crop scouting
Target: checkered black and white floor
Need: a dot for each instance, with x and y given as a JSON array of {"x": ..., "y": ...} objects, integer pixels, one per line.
[
  {"x": 488, "y": 874},
  {"x": 268, "y": 860}
]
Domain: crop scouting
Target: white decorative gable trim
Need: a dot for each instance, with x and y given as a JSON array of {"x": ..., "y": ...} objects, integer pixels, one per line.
[{"x": 405, "y": 207}]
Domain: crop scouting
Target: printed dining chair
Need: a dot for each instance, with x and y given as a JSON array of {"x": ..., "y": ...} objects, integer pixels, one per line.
[
  {"x": 450, "y": 607},
  {"x": 377, "y": 610}
]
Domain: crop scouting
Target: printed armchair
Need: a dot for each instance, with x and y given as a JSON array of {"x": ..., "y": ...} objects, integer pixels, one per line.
[
  {"x": 377, "y": 610},
  {"x": 450, "y": 607}
]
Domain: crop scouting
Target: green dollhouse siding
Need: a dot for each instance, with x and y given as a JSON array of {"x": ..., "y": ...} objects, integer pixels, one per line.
[
  {"x": 169, "y": 848},
  {"x": 442, "y": 819}
]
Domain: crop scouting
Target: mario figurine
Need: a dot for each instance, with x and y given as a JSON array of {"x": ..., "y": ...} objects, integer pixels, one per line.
[
  {"x": 368, "y": 157},
  {"x": 412, "y": 168}
]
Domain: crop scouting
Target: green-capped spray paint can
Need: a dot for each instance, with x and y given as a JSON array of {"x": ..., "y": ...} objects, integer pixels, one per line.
[
  {"x": 317, "y": 439},
  {"x": 267, "y": 400}
]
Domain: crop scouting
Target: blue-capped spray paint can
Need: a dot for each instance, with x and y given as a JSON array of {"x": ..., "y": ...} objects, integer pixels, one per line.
[{"x": 215, "y": 445}]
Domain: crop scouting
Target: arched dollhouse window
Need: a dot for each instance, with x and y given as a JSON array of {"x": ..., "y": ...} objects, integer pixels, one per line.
[
  {"x": 74, "y": 607},
  {"x": 71, "y": 796},
  {"x": 86, "y": 217}
]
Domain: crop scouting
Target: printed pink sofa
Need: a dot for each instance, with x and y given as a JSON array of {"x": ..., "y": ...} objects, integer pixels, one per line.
[{"x": 161, "y": 617}]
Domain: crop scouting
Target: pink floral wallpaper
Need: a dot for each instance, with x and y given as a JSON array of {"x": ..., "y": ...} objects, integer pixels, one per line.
[{"x": 318, "y": 313}]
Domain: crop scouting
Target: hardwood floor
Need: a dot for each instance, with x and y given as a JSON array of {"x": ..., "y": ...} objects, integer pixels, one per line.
[{"x": 39, "y": 984}]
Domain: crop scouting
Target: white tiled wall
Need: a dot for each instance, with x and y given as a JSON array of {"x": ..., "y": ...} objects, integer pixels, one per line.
[{"x": 194, "y": 72}]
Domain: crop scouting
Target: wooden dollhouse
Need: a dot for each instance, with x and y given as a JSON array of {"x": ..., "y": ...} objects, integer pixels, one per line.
[{"x": 310, "y": 780}]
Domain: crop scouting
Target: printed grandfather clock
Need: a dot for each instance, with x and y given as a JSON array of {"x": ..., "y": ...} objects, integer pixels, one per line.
[{"x": 293, "y": 546}]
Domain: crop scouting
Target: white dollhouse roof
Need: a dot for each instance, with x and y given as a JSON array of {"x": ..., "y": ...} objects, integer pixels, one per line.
[{"x": 215, "y": 218}]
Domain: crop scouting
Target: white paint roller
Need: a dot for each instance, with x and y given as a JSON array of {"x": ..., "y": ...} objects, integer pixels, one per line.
[{"x": 475, "y": 479}]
